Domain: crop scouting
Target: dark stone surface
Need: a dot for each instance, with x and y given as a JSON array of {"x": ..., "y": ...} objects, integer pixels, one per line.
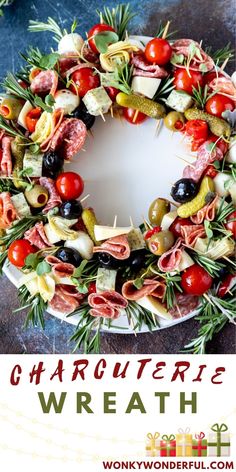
[{"x": 209, "y": 20}]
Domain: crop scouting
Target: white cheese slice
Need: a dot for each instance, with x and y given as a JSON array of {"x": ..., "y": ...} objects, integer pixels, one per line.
[
  {"x": 21, "y": 205},
  {"x": 71, "y": 42},
  {"x": 51, "y": 235},
  {"x": 153, "y": 305},
  {"x": 24, "y": 111},
  {"x": 185, "y": 262},
  {"x": 33, "y": 161},
  {"x": 231, "y": 154},
  {"x": 106, "y": 279},
  {"x": 179, "y": 100},
  {"x": 168, "y": 219},
  {"x": 136, "y": 239},
  {"x": 97, "y": 101},
  {"x": 106, "y": 232},
  {"x": 146, "y": 86},
  {"x": 66, "y": 100}
]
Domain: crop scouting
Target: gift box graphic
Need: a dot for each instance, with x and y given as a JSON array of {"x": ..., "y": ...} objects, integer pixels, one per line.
[
  {"x": 184, "y": 443},
  {"x": 153, "y": 445},
  {"x": 219, "y": 441},
  {"x": 168, "y": 446},
  {"x": 199, "y": 447}
]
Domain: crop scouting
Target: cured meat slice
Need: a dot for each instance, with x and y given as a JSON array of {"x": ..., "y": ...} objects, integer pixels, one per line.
[
  {"x": 65, "y": 299},
  {"x": 224, "y": 86},
  {"x": 66, "y": 62},
  {"x": 200, "y": 58},
  {"x": 45, "y": 82},
  {"x": 107, "y": 304},
  {"x": 57, "y": 117},
  {"x": 184, "y": 305},
  {"x": 54, "y": 198},
  {"x": 117, "y": 247},
  {"x": 59, "y": 268},
  {"x": 90, "y": 56},
  {"x": 206, "y": 155},
  {"x": 37, "y": 237},
  {"x": 69, "y": 137},
  {"x": 153, "y": 287},
  {"x": 192, "y": 233},
  {"x": 78, "y": 67},
  {"x": 143, "y": 68},
  {"x": 208, "y": 213},
  {"x": 170, "y": 260},
  {"x": 6, "y": 161},
  {"x": 8, "y": 213}
]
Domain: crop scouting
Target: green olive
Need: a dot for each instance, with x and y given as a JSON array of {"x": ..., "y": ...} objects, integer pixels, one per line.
[
  {"x": 10, "y": 108},
  {"x": 37, "y": 197},
  {"x": 157, "y": 210},
  {"x": 171, "y": 120},
  {"x": 161, "y": 242}
]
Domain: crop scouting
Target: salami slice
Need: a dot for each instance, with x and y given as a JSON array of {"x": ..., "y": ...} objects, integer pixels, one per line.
[
  {"x": 208, "y": 212},
  {"x": 153, "y": 287},
  {"x": 37, "y": 237},
  {"x": 184, "y": 305},
  {"x": 69, "y": 137},
  {"x": 200, "y": 58},
  {"x": 6, "y": 161},
  {"x": 205, "y": 156},
  {"x": 78, "y": 67},
  {"x": 143, "y": 68},
  {"x": 117, "y": 247},
  {"x": 45, "y": 82},
  {"x": 170, "y": 260},
  {"x": 54, "y": 198},
  {"x": 224, "y": 86},
  {"x": 192, "y": 233},
  {"x": 59, "y": 268},
  {"x": 65, "y": 299},
  {"x": 8, "y": 213},
  {"x": 107, "y": 304}
]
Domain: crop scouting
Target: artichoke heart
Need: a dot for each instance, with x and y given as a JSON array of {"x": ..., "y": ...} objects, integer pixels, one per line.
[
  {"x": 216, "y": 249},
  {"x": 43, "y": 128},
  {"x": 61, "y": 227},
  {"x": 117, "y": 55},
  {"x": 46, "y": 286}
]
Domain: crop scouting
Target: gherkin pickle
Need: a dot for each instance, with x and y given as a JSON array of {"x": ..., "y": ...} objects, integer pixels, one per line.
[
  {"x": 18, "y": 151},
  {"x": 217, "y": 126},
  {"x": 90, "y": 220},
  {"x": 143, "y": 104},
  {"x": 190, "y": 208},
  {"x": 157, "y": 210},
  {"x": 161, "y": 242}
]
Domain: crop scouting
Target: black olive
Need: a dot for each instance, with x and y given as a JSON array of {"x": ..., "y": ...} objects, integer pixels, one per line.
[
  {"x": 52, "y": 164},
  {"x": 82, "y": 114},
  {"x": 108, "y": 262},
  {"x": 68, "y": 255},
  {"x": 184, "y": 190},
  {"x": 137, "y": 259},
  {"x": 71, "y": 209}
]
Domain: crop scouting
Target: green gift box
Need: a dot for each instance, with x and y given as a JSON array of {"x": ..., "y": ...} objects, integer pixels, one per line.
[{"x": 199, "y": 447}]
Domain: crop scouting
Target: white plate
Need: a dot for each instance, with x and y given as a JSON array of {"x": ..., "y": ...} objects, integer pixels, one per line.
[{"x": 125, "y": 167}]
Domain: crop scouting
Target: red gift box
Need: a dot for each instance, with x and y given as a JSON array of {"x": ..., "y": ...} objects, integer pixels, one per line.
[{"x": 168, "y": 446}]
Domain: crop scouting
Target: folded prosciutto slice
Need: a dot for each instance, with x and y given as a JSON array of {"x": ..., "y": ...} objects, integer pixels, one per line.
[
  {"x": 224, "y": 86},
  {"x": 8, "y": 213},
  {"x": 170, "y": 260},
  {"x": 117, "y": 247},
  {"x": 54, "y": 198},
  {"x": 153, "y": 287},
  {"x": 200, "y": 58},
  {"x": 208, "y": 212},
  {"x": 66, "y": 299},
  {"x": 37, "y": 237},
  {"x": 45, "y": 82},
  {"x": 106, "y": 304},
  {"x": 59, "y": 268},
  {"x": 192, "y": 233},
  {"x": 206, "y": 155},
  {"x": 6, "y": 161},
  {"x": 143, "y": 68}
]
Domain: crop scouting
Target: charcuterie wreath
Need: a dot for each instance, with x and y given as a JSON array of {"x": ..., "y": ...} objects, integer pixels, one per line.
[{"x": 181, "y": 258}]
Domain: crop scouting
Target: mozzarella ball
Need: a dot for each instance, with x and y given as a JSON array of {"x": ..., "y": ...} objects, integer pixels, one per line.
[
  {"x": 83, "y": 244},
  {"x": 72, "y": 42},
  {"x": 66, "y": 100},
  {"x": 220, "y": 183}
]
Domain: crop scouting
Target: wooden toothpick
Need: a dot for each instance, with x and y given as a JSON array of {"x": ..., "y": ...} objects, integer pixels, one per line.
[
  {"x": 166, "y": 30},
  {"x": 158, "y": 126},
  {"x": 131, "y": 222},
  {"x": 185, "y": 160},
  {"x": 208, "y": 299},
  {"x": 115, "y": 221},
  {"x": 135, "y": 116},
  {"x": 224, "y": 64},
  {"x": 101, "y": 114},
  {"x": 112, "y": 112},
  {"x": 85, "y": 198}
]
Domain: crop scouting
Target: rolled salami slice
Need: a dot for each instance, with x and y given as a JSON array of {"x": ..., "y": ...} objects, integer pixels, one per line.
[
  {"x": 6, "y": 161},
  {"x": 170, "y": 260},
  {"x": 69, "y": 137},
  {"x": 144, "y": 69},
  {"x": 107, "y": 304},
  {"x": 200, "y": 58},
  {"x": 153, "y": 287},
  {"x": 184, "y": 305},
  {"x": 8, "y": 213},
  {"x": 54, "y": 198},
  {"x": 117, "y": 247},
  {"x": 192, "y": 233},
  {"x": 37, "y": 237},
  {"x": 45, "y": 82},
  {"x": 59, "y": 268},
  {"x": 224, "y": 86},
  {"x": 208, "y": 212}
]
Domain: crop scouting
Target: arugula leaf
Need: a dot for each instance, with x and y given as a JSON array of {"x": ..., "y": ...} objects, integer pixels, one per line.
[
  {"x": 79, "y": 270},
  {"x": 32, "y": 261},
  {"x": 177, "y": 59},
  {"x": 102, "y": 40},
  {"x": 49, "y": 60},
  {"x": 43, "y": 268}
]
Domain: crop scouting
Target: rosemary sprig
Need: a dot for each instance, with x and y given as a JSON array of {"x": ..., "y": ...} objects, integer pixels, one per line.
[
  {"x": 87, "y": 333},
  {"x": 120, "y": 78},
  {"x": 4, "y": 3},
  {"x": 161, "y": 29},
  {"x": 11, "y": 85},
  {"x": 11, "y": 129},
  {"x": 165, "y": 88},
  {"x": 84, "y": 274},
  {"x": 6, "y": 185},
  {"x": 172, "y": 286},
  {"x": 220, "y": 55},
  {"x": 36, "y": 305},
  {"x": 32, "y": 56},
  {"x": 118, "y": 17},
  {"x": 212, "y": 267},
  {"x": 224, "y": 211},
  {"x": 51, "y": 26},
  {"x": 201, "y": 95},
  {"x": 138, "y": 317}
]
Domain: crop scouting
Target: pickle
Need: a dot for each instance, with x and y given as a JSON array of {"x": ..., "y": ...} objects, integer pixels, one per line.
[
  {"x": 90, "y": 221},
  {"x": 190, "y": 208},
  {"x": 143, "y": 104},
  {"x": 18, "y": 152},
  {"x": 217, "y": 126},
  {"x": 10, "y": 108}
]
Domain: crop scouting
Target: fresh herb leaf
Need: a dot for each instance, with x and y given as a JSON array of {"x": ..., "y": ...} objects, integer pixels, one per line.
[
  {"x": 208, "y": 230},
  {"x": 26, "y": 172},
  {"x": 120, "y": 78},
  {"x": 36, "y": 305},
  {"x": 177, "y": 59},
  {"x": 138, "y": 317},
  {"x": 118, "y": 17},
  {"x": 87, "y": 333},
  {"x": 49, "y": 61},
  {"x": 43, "y": 268},
  {"x": 102, "y": 40},
  {"x": 34, "y": 148},
  {"x": 42, "y": 104},
  {"x": 32, "y": 261},
  {"x": 161, "y": 29},
  {"x": 138, "y": 283},
  {"x": 51, "y": 26},
  {"x": 220, "y": 55},
  {"x": 79, "y": 270}
]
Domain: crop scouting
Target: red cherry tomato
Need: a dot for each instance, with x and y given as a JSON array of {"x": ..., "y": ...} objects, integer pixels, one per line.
[
  {"x": 197, "y": 128},
  {"x": 211, "y": 171},
  {"x": 0, "y": 155},
  {"x": 195, "y": 280},
  {"x": 177, "y": 224},
  {"x": 186, "y": 81},
  {"x": 220, "y": 143},
  {"x": 150, "y": 232},
  {"x": 196, "y": 143},
  {"x": 207, "y": 78},
  {"x": 92, "y": 288},
  {"x": 99, "y": 28},
  {"x": 217, "y": 104},
  {"x": 84, "y": 80},
  {"x": 18, "y": 251},
  {"x": 231, "y": 223},
  {"x": 225, "y": 286},
  {"x": 132, "y": 117},
  {"x": 69, "y": 185},
  {"x": 112, "y": 92},
  {"x": 32, "y": 118},
  {"x": 22, "y": 84},
  {"x": 158, "y": 50}
]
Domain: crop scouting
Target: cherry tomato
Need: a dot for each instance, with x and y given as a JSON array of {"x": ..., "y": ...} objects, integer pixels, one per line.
[
  {"x": 92, "y": 288},
  {"x": 186, "y": 81},
  {"x": 18, "y": 251},
  {"x": 197, "y": 128},
  {"x": 0, "y": 155},
  {"x": 99, "y": 28},
  {"x": 129, "y": 114},
  {"x": 22, "y": 84},
  {"x": 84, "y": 80},
  {"x": 225, "y": 286},
  {"x": 231, "y": 223},
  {"x": 32, "y": 118},
  {"x": 207, "y": 78},
  {"x": 158, "y": 50},
  {"x": 195, "y": 280},
  {"x": 34, "y": 73},
  {"x": 112, "y": 92},
  {"x": 69, "y": 185},
  {"x": 177, "y": 224},
  {"x": 220, "y": 143},
  {"x": 196, "y": 143},
  {"x": 217, "y": 104},
  {"x": 151, "y": 232},
  {"x": 211, "y": 171}
]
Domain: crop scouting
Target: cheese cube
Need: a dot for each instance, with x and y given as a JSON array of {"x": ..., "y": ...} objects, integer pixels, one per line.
[
  {"x": 179, "y": 100},
  {"x": 146, "y": 86},
  {"x": 21, "y": 205},
  {"x": 34, "y": 162},
  {"x": 106, "y": 279},
  {"x": 136, "y": 239},
  {"x": 97, "y": 101}
]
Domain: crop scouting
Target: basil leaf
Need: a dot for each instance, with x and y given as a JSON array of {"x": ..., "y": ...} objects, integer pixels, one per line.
[
  {"x": 49, "y": 100},
  {"x": 32, "y": 261},
  {"x": 210, "y": 146},
  {"x": 102, "y": 40},
  {"x": 177, "y": 59},
  {"x": 203, "y": 68},
  {"x": 43, "y": 268},
  {"x": 79, "y": 270},
  {"x": 208, "y": 229},
  {"x": 49, "y": 61}
]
